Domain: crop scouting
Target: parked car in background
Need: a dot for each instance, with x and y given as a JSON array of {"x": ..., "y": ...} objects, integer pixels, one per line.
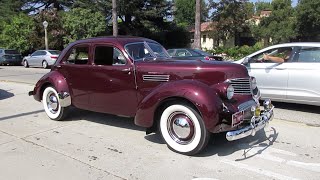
[
  {"x": 10, "y": 57},
  {"x": 41, "y": 58},
  {"x": 135, "y": 77},
  {"x": 296, "y": 80},
  {"x": 192, "y": 54}
]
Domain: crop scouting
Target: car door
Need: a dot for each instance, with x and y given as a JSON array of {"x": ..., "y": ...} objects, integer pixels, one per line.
[
  {"x": 304, "y": 77},
  {"x": 74, "y": 67},
  {"x": 112, "y": 83},
  {"x": 272, "y": 78},
  {"x": 32, "y": 61}
]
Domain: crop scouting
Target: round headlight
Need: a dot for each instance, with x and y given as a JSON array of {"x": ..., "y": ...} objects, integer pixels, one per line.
[
  {"x": 253, "y": 83},
  {"x": 230, "y": 92}
]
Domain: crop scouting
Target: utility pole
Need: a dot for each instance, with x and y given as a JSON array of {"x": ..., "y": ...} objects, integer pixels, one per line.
[{"x": 197, "y": 27}]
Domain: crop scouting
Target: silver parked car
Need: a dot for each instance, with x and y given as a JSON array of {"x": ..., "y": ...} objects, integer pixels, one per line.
[
  {"x": 296, "y": 80},
  {"x": 41, "y": 58}
]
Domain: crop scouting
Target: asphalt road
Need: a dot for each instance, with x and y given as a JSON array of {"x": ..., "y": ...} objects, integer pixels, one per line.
[{"x": 92, "y": 145}]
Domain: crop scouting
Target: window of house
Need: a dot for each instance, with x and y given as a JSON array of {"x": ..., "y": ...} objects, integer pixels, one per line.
[
  {"x": 78, "y": 55},
  {"x": 204, "y": 38}
]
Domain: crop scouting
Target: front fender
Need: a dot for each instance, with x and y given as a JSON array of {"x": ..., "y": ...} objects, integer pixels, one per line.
[
  {"x": 55, "y": 79},
  {"x": 204, "y": 98}
]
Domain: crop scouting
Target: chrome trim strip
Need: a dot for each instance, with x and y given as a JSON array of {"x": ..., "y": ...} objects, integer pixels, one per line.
[{"x": 157, "y": 78}]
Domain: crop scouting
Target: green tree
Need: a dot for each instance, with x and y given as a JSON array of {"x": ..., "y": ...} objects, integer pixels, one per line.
[
  {"x": 82, "y": 23},
  {"x": 231, "y": 18},
  {"x": 275, "y": 28},
  {"x": 308, "y": 19},
  {"x": 184, "y": 12},
  {"x": 17, "y": 33}
]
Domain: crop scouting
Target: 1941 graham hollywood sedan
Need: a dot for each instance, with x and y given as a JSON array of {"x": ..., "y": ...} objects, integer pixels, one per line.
[{"x": 186, "y": 101}]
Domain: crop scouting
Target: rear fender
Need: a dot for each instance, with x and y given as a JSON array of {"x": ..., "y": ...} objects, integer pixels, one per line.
[
  {"x": 204, "y": 98},
  {"x": 58, "y": 81}
]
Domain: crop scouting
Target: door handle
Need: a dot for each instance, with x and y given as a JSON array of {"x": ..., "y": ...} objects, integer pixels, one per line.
[
  {"x": 127, "y": 70},
  {"x": 279, "y": 68}
]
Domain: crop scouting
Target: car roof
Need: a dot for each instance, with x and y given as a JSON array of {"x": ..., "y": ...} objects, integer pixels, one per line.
[{"x": 118, "y": 39}]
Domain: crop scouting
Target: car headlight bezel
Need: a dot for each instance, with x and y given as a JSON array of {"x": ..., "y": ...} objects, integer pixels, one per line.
[{"x": 230, "y": 92}]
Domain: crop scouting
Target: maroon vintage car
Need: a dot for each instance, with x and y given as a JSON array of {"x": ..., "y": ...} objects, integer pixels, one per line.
[{"x": 135, "y": 77}]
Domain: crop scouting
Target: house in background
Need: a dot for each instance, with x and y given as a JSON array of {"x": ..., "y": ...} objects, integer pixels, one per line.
[{"x": 243, "y": 38}]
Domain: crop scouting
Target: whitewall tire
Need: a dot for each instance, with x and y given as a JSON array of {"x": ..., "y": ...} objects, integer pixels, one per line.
[
  {"x": 183, "y": 129},
  {"x": 51, "y": 104}
]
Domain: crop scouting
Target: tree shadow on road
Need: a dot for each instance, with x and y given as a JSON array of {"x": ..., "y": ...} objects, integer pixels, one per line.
[{"x": 4, "y": 94}]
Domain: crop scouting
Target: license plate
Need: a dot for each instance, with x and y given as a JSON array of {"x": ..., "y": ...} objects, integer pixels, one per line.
[{"x": 237, "y": 118}]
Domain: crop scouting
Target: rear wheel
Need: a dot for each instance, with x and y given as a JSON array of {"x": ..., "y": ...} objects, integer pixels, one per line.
[
  {"x": 183, "y": 129},
  {"x": 44, "y": 64},
  {"x": 51, "y": 104}
]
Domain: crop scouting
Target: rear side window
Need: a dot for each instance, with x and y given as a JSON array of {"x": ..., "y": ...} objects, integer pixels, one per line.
[
  {"x": 11, "y": 52},
  {"x": 78, "y": 55},
  {"x": 309, "y": 54},
  {"x": 108, "y": 55},
  {"x": 54, "y": 52},
  {"x": 183, "y": 52}
]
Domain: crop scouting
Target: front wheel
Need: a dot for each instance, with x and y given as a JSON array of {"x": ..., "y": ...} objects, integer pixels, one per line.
[
  {"x": 44, "y": 64},
  {"x": 51, "y": 104},
  {"x": 25, "y": 64},
  {"x": 183, "y": 129}
]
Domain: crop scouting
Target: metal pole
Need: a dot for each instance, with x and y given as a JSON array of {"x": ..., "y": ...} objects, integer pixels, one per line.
[{"x": 46, "y": 38}]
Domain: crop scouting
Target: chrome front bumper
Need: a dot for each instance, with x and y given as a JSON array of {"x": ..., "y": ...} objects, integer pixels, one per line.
[{"x": 257, "y": 123}]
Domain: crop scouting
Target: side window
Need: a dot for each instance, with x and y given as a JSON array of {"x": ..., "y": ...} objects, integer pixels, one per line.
[
  {"x": 309, "y": 54},
  {"x": 283, "y": 52},
  {"x": 171, "y": 52},
  {"x": 78, "y": 55},
  {"x": 137, "y": 51},
  {"x": 182, "y": 52},
  {"x": 107, "y": 55},
  {"x": 43, "y": 53},
  {"x": 37, "y": 53}
]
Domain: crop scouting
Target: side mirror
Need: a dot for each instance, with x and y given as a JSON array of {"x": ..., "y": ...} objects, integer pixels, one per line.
[{"x": 246, "y": 60}]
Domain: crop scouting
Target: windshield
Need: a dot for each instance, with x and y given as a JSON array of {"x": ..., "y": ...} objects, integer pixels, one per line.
[
  {"x": 54, "y": 52},
  {"x": 11, "y": 52},
  {"x": 141, "y": 50},
  {"x": 202, "y": 52}
]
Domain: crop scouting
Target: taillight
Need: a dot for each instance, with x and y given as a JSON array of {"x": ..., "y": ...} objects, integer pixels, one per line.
[{"x": 54, "y": 57}]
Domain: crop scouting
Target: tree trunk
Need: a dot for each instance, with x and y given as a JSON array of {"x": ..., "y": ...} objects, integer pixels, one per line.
[
  {"x": 114, "y": 18},
  {"x": 197, "y": 29}
]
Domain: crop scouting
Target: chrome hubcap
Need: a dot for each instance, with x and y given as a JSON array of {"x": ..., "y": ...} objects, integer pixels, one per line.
[
  {"x": 180, "y": 127},
  {"x": 52, "y": 103}
]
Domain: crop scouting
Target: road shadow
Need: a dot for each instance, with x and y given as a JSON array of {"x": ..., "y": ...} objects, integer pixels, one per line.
[
  {"x": 297, "y": 107},
  {"x": 218, "y": 145},
  {"x": 102, "y": 118},
  {"x": 4, "y": 94}
]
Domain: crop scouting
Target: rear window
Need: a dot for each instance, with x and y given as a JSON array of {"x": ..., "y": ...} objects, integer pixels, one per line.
[
  {"x": 54, "y": 52},
  {"x": 11, "y": 52}
]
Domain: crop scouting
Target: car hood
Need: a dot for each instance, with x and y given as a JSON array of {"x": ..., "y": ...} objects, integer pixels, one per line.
[{"x": 208, "y": 72}]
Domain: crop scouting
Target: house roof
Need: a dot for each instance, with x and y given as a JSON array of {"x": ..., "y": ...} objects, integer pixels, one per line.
[{"x": 205, "y": 26}]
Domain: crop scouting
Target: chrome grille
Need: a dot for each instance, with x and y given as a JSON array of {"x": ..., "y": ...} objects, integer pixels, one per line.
[
  {"x": 241, "y": 85},
  {"x": 158, "y": 78},
  {"x": 246, "y": 105}
]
